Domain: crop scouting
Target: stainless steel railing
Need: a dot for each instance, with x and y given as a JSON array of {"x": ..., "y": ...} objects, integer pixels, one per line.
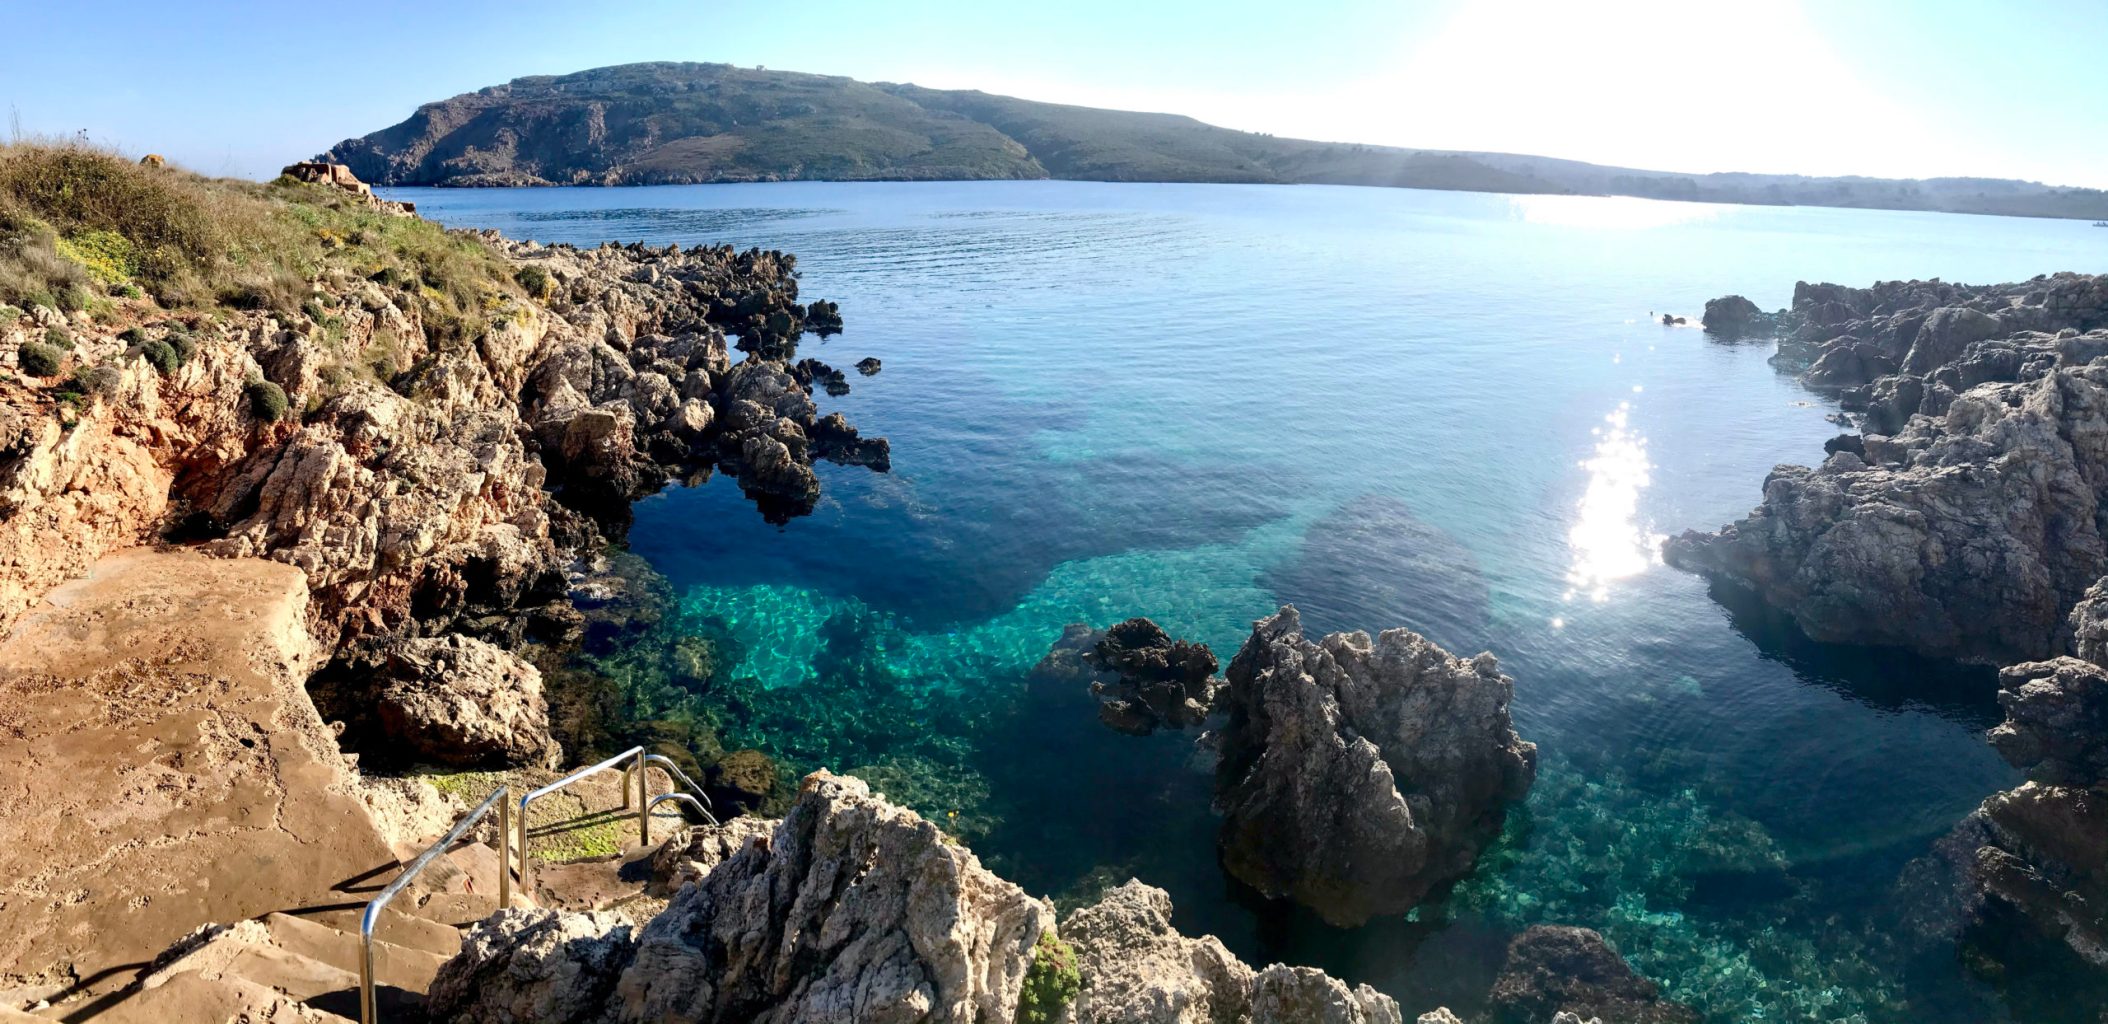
[
  {"x": 634, "y": 763},
  {"x": 372, "y": 917}
]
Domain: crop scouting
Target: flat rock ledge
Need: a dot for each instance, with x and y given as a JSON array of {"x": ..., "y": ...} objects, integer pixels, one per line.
[{"x": 1356, "y": 776}]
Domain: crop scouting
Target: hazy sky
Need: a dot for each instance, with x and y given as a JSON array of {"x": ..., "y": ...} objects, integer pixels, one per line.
[{"x": 1893, "y": 88}]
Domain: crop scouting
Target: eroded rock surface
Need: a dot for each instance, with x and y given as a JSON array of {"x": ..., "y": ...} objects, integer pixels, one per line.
[
  {"x": 448, "y": 700},
  {"x": 1962, "y": 521},
  {"x": 1143, "y": 680},
  {"x": 1137, "y": 969},
  {"x": 852, "y": 909},
  {"x": 1357, "y": 775}
]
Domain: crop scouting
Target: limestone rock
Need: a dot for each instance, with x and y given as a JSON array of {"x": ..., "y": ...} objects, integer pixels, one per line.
[
  {"x": 1732, "y": 316},
  {"x": 854, "y": 909},
  {"x": 1357, "y": 776},
  {"x": 1137, "y": 969},
  {"x": 448, "y": 700},
  {"x": 1556, "y": 970},
  {"x": 692, "y": 852},
  {"x": 2056, "y": 726},
  {"x": 522, "y": 966}
]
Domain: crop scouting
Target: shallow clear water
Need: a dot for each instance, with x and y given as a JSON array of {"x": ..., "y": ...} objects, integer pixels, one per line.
[{"x": 1448, "y": 411}]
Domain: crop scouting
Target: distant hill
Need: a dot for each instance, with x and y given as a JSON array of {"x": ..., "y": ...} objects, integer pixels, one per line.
[{"x": 668, "y": 123}]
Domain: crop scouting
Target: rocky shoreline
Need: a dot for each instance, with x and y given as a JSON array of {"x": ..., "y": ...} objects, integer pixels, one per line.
[{"x": 1964, "y": 520}]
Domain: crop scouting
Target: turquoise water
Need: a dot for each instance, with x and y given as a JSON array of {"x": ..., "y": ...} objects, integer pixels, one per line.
[{"x": 1449, "y": 411}]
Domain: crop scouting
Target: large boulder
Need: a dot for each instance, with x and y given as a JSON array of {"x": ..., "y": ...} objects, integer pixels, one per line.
[
  {"x": 1142, "y": 679},
  {"x": 446, "y": 700},
  {"x": 1357, "y": 776},
  {"x": 1553, "y": 969},
  {"x": 1732, "y": 316},
  {"x": 1137, "y": 969},
  {"x": 519, "y": 966}
]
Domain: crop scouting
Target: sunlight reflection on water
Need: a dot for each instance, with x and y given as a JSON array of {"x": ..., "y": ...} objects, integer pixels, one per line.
[{"x": 1606, "y": 538}]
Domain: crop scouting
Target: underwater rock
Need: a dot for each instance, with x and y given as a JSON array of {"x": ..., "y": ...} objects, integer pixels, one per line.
[
  {"x": 851, "y": 909},
  {"x": 1557, "y": 970},
  {"x": 448, "y": 700},
  {"x": 740, "y": 782},
  {"x": 1373, "y": 560},
  {"x": 1137, "y": 969},
  {"x": 1356, "y": 776}
]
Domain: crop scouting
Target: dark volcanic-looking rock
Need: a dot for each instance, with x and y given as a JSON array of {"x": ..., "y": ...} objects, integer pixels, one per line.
[
  {"x": 868, "y": 365},
  {"x": 1554, "y": 969},
  {"x": 1158, "y": 681},
  {"x": 1732, "y": 316},
  {"x": 1356, "y": 777},
  {"x": 448, "y": 700}
]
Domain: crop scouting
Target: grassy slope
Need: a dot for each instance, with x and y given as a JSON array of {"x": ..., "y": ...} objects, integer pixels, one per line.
[{"x": 669, "y": 123}]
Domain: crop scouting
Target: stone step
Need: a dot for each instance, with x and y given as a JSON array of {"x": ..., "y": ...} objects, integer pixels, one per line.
[
  {"x": 400, "y": 927},
  {"x": 193, "y": 996},
  {"x": 398, "y": 966},
  {"x": 280, "y": 969},
  {"x": 457, "y": 908}
]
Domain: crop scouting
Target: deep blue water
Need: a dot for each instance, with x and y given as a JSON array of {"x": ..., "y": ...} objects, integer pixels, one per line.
[{"x": 1449, "y": 411}]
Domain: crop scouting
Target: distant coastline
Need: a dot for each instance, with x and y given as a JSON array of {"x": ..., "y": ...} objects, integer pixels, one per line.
[{"x": 690, "y": 124}]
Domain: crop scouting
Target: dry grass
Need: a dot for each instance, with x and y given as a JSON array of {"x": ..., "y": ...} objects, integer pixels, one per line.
[{"x": 79, "y": 223}]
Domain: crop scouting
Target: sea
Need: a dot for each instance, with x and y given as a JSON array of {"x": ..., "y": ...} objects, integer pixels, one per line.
[{"x": 1455, "y": 412}]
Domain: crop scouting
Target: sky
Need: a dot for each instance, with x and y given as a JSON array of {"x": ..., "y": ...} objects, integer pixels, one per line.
[{"x": 1887, "y": 88}]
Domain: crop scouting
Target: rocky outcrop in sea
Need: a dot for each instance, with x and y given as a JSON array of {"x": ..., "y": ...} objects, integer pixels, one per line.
[
  {"x": 1554, "y": 969},
  {"x": 1963, "y": 520},
  {"x": 1141, "y": 678},
  {"x": 1357, "y": 776}
]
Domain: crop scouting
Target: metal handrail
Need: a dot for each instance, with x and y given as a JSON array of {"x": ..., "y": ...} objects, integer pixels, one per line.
[
  {"x": 636, "y": 756},
  {"x": 372, "y": 917},
  {"x": 688, "y": 799},
  {"x": 701, "y": 799}
]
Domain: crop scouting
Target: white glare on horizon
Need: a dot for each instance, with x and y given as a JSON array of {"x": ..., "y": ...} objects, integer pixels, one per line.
[{"x": 1606, "y": 537}]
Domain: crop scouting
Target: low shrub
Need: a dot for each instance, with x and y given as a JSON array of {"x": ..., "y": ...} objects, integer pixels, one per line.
[
  {"x": 133, "y": 336},
  {"x": 9, "y": 314},
  {"x": 75, "y": 297},
  {"x": 108, "y": 256},
  {"x": 38, "y": 359},
  {"x": 58, "y": 339},
  {"x": 266, "y": 400},
  {"x": 536, "y": 280},
  {"x": 185, "y": 345},
  {"x": 1050, "y": 983},
  {"x": 101, "y": 381},
  {"x": 162, "y": 355}
]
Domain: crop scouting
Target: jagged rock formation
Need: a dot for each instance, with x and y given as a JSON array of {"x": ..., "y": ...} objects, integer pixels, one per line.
[
  {"x": 449, "y": 700},
  {"x": 1962, "y": 523},
  {"x": 851, "y": 909},
  {"x": 1143, "y": 679},
  {"x": 1137, "y": 969},
  {"x": 1557, "y": 970},
  {"x": 1357, "y": 776},
  {"x": 693, "y": 852},
  {"x": 2043, "y": 847}
]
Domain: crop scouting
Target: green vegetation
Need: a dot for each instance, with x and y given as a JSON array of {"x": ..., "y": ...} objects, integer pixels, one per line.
[
  {"x": 1050, "y": 983},
  {"x": 38, "y": 359},
  {"x": 537, "y": 281},
  {"x": 100, "y": 381},
  {"x": 266, "y": 400},
  {"x": 164, "y": 358},
  {"x": 78, "y": 221},
  {"x": 58, "y": 339}
]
